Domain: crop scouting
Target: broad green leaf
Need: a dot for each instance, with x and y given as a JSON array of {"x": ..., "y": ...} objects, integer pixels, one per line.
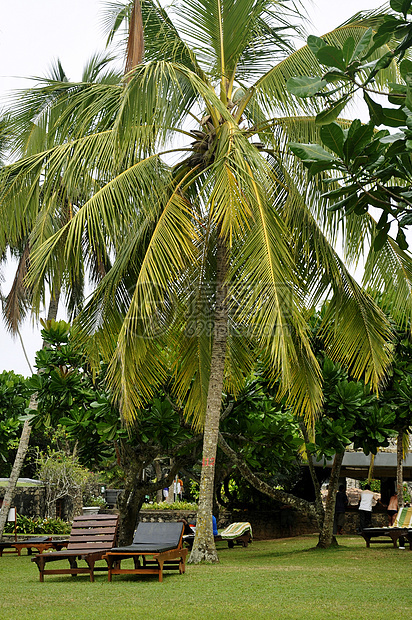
[
  {"x": 305, "y": 86},
  {"x": 332, "y": 137},
  {"x": 392, "y": 137},
  {"x": 338, "y": 193},
  {"x": 405, "y": 67},
  {"x": 358, "y": 136},
  {"x": 397, "y": 94},
  {"x": 311, "y": 152},
  {"x": 331, "y": 57},
  {"x": 380, "y": 39},
  {"x": 315, "y": 43},
  {"x": 380, "y": 238},
  {"x": 401, "y": 240},
  {"x": 393, "y": 117},
  {"x": 375, "y": 110},
  {"x": 349, "y": 201},
  {"x": 384, "y": 62},
  {"x": 318, "y": 166},
  {"x": 348, "y": 49},
  {"x": 331, "y": 114},
  {"x": 336, "y": 75},
  {"x": 401, "y": 6},
  {"x": 363, "y": 44}
]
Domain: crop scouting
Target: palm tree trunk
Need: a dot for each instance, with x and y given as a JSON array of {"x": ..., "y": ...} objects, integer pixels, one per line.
[
  {"x": 204, "y": 548},
  {"x": 399, "y": 468},
  {"x": 135, "y": 41},
  {"x": 15, "y": 473},
  {"x": 24, "y": 439}
]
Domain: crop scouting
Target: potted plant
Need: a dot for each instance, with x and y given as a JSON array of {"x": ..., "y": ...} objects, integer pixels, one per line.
[{"x": 92, "y": 504}]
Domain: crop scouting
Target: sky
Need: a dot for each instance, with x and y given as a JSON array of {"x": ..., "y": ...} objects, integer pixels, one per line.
[{"x": 33, "y": 34}]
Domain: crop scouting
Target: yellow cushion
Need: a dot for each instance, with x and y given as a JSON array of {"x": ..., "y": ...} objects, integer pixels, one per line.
[{"x": 404, "y": 517}]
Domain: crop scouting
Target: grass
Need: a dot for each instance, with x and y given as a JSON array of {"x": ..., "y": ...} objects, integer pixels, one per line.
[{"x": 285, "y": 578}]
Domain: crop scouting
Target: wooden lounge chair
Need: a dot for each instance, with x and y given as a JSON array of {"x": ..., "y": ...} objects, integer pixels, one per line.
[
  {"x": 237, "y": 533},
  {"x": 403, "y": 522},
  {"x": 91, "y": 537},
  {"x": 40, "y": 543},
  {"x": 156, "y": 547}
]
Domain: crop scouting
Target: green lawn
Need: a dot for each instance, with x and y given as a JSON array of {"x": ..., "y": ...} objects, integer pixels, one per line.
[{"x": 284, "y": 579}]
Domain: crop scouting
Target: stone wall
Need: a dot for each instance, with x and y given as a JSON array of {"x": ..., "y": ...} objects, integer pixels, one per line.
[
  {"x": 29, "y": 501},
  {"x": 379, "y": 519},
  {"x": 283, "y": 523},
  {"x": 265, "y": 525}
]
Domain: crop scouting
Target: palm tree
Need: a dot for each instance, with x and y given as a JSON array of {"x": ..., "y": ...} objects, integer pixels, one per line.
[
  {"x": 30, "y": 131},
  {"x": 218, "y": 244}
]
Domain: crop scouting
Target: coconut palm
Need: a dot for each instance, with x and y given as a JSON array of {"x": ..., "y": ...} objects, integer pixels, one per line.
[
  {"x": 218, "y": 244},
  {"x": 29, "y": 131}
]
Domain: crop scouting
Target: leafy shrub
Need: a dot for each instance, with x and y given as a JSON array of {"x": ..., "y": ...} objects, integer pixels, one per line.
[
  {"x": 173, "y": 506},
  {"x": 94, "y": 500},
  {"x": 375, "y": 485},
  {"x": 28, "y": 525}
]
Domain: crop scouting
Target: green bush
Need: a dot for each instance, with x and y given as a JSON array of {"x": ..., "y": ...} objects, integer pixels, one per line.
[
  {"x": 173, "y": 506},
  {"x": 28, "y": 525},
  {"x": 375, "y": 485}
]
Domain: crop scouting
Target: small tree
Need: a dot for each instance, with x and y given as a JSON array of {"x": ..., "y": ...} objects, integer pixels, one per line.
[{"x": 63, "y": 477}]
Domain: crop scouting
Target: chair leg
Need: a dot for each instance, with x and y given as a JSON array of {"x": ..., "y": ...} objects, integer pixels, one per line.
[
  {"x": 109, "y": 561},
  {"x": 40, "y": 561},
  {"x": 160, "y": 563},
  {"x": 90, "y": 564}
]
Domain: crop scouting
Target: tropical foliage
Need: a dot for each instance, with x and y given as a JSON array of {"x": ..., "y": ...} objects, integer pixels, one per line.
[
  {"x": 28, "y": 525},
  {"x": 371, "y": 160},
  {"x": 14, "y": 397},
  {"x": 182, "y": 175}
]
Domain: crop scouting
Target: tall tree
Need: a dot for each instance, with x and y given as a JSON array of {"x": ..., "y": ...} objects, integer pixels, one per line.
[
  {"x": 30, "y": 131},
  {"x": 218, "y": 243}
]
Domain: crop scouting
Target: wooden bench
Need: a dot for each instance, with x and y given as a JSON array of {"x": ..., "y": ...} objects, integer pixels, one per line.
[{"x": 91, "y": 537}]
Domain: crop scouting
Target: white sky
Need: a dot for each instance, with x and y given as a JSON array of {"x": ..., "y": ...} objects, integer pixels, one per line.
[{"x": 34, "y": 33}]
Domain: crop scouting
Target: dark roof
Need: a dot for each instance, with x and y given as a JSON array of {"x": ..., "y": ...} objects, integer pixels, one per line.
[{"x": 356, "y": 465}]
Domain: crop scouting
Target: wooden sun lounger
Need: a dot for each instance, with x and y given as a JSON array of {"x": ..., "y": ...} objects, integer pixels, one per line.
[
  {"x": 91, "y": 537},
  {"x": 156, "y": 547},
  {"x": 236, "y": 533},
  {"x": 40, "y": 543},
  {"x": 399, "y": 531}
]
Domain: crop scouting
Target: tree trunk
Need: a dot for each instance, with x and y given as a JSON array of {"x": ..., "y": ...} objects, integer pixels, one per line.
[
  {"x": 204, "y": 549},
  {"x": 158, "y": 470},
  {"x": 170, "y": 497},
  {"x": 24, "y": 439},
  {"x": 14, "y": 476},
  {"x": 326, "y": 537},
  {"x": 135, "y": 41},
  {"x": 301, "y": 505},
  {"x": 399, "y": 468},
  {"x": 320, "y": 511}
]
